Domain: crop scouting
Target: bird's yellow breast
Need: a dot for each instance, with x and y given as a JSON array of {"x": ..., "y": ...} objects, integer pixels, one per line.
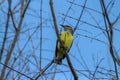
[{"x": 67, "y": 39}]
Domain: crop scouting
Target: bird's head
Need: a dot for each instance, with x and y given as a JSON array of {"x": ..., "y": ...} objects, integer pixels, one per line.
[{"x": 68, "y": 28}]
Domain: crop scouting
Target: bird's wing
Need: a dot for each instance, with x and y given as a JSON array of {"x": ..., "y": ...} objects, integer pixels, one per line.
[{"x": 56, "y": 49}]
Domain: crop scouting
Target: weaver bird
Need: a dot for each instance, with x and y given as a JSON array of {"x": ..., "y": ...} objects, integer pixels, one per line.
[{"x": 66, "y": 38}]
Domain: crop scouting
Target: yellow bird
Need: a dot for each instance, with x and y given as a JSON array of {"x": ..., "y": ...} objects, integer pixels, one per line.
[{"x": 67, "y": 38}]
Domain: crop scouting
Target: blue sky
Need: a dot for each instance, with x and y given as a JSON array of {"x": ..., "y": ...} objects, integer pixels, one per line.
[{"x": 86, "y": 52}]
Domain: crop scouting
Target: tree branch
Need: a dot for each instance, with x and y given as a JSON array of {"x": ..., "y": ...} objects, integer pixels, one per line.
[
  {"x": 8, "y": 56},
  {"x": 109, "y": 26},
  {"x": 16, "y": 71}
]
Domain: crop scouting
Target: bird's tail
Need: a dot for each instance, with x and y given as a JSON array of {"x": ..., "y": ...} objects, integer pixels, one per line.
[{"x": 58, "y": 61}]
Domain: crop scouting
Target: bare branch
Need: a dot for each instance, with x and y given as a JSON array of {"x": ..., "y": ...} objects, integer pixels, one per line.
[
  {"x": 80, "y": 16},
  {"x": 16, "y": 71},
  {"x": 14, "y": 42},
  {"x": 109, "y": 34},
  {"x": 44, "y": 69},
  {"x": 5, "y": 35},
  {"x": 41, "y": 33}
]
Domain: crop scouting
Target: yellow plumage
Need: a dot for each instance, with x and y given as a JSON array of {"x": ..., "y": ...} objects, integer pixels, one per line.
[{"x": 66, "y": 37}]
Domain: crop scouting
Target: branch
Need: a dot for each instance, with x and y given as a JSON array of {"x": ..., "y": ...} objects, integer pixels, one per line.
[
  {"x": 96, "y": 69},
  {"x": 5, "y": 34},
  {"x": 80, "y": 16},
  {"x": 16, "y": 71},
  {"x": 109, "y": 34},
  {"x": 8, "y": 56},
  {"x": 57, "y": 33},
  {"x": 68, "y": 11},
  {"x": 44, "y": 69},
  {"x": 41, "y": 33}
]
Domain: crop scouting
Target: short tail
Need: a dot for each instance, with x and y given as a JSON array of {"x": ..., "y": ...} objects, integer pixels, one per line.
[{"x": 58, "y": 61}]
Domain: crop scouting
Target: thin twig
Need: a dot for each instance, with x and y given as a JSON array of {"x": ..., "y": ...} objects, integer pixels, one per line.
[
  {"x": 68, "y": 11},
  {"x": 17, "y": 71},
  {"x": 80, "y": 16},
  {"x": 93, "y": 38},
  {"x": 97, "y": 68},
  {"x": 86, "y": 7},
  {"x": 44, "y": 69},
  {"x": 5, "y": 34},
  {"x": 40, "y": 34},
  {"x": 92, "y": 25}
]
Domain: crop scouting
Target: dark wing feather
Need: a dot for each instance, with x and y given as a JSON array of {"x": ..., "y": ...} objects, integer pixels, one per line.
[{"x": 56, "y": 49}]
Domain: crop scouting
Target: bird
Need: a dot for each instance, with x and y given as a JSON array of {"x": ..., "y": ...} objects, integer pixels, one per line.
[{"x": 66, "y": 38}]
